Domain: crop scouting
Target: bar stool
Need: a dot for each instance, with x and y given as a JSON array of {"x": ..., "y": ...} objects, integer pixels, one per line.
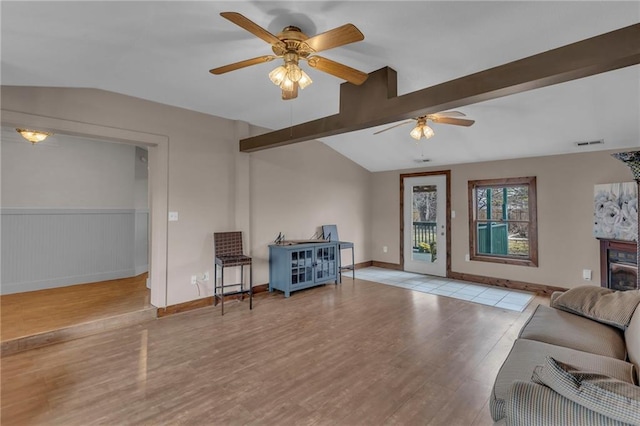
[
  {"x": 330, "y": 232},
  {"x": 228, "y": 253}
]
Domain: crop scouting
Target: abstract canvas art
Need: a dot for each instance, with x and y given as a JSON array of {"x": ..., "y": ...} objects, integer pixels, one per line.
[{"x": 615, "y": 213}]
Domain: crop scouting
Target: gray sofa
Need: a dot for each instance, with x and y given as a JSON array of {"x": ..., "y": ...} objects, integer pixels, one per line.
[{"x": 525, "y": 391}]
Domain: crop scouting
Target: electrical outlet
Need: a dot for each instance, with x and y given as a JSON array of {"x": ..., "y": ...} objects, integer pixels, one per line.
[
  {"x": 586, "y": 274},
  {"x": 205, "y": 276},
  {"x": 194, "y": 279},
  {"x": 467, "y": 258},
  {"x": 385, "y": 249}
]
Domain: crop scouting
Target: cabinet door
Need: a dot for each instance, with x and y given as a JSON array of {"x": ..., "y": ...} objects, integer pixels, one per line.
[
  {"x": 301, "y": 267},
  {"x": 326, "y": 263}
]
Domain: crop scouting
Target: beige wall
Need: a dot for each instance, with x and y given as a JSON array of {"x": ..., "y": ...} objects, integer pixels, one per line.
[
  {"x": 47, "y": 176},
  {"x": 211, "y": 185},
  {"x": 298, "y": 188},
  {"x": 565, "y": 212}
]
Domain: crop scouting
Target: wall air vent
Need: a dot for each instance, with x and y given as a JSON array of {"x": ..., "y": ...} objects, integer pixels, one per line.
[{"x": 589, "y": 143}]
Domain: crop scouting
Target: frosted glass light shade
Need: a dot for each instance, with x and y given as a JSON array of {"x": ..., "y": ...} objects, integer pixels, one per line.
[
  {"x": 416, "y": 133},
  {"x": 287, "y": 84},
  {"x": 294, "y": 72},
  {"x": 305, "y": 80},
  {"x": 33, "y": 136},
  {"x": 428, "y": 132},
  {"x": 421, "y": 130},
  {"x": 289, "y": 77},
  {"x": 278, "y": 75}
]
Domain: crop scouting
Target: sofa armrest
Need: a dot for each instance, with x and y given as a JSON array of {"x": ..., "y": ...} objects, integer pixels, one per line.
[{"x": 532, "y": 404}]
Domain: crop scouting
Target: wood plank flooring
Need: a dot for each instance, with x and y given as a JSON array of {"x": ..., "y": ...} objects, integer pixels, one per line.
[
  {"x": 26, "y": 314},
  {"x": 359, "y": 353}
]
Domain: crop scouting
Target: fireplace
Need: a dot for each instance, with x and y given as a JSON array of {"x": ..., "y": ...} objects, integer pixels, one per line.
[{"x": 618, "y": 265}]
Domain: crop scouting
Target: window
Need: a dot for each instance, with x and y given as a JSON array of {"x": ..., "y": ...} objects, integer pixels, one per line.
[{"x": 503, "y": 222}]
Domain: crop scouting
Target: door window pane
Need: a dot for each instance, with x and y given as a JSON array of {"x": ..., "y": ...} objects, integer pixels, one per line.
[{"x": 423, "y": 232}]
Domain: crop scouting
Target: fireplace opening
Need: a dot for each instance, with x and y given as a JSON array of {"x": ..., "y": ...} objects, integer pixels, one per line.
[
  {"x": 623, "y": 276},
  {"x": 619, "y": 265}
]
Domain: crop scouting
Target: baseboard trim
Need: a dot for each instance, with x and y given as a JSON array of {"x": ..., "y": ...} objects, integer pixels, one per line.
[
  {"x": 141, "y": 269},
  {"x": 364, "y": 264},
  {"x": 541, "y": 289},
  {"x": 203, "y": 303},
  {"x": 386, "y": 265}
]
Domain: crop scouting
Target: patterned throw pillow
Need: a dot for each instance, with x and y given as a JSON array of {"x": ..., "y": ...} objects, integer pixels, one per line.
[
  {"x": 607, "y": 306},
  {"x": 603, "y": 394}
]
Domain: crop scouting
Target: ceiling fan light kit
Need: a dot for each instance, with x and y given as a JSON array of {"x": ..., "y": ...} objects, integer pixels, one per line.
[
  {"x": 290, "y": 76},
  {"x": 422, "y": 130},
  {"x": 33, "y": 136},
  {"x": 292, "y": 45}
]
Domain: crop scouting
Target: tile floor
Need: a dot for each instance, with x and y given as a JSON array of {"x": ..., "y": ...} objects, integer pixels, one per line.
[{"x": 486, "y": 295}]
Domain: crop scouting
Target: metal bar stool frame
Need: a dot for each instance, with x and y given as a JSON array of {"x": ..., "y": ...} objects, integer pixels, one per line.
[
  {"x": 229, "y": 253},
  {"x": 330, "y": 232}
]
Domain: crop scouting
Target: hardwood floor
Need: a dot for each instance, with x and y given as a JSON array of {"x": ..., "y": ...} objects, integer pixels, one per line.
[
  {"x": 26, "y": 314},
  {"x": 356, "y": 353}
]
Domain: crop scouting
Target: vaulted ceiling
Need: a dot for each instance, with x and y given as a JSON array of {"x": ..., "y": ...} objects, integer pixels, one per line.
[{"x": 162, "y": 51}]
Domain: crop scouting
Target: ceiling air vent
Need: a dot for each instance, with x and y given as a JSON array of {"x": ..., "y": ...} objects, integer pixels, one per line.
[{"x": 589, "y": 143}]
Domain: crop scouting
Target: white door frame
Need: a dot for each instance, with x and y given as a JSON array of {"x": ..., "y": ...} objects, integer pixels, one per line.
[{"x": 444, "y": 251}]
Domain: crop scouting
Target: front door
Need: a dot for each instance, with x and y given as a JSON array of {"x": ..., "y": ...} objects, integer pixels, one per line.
[{"x": 425, "y": 230}]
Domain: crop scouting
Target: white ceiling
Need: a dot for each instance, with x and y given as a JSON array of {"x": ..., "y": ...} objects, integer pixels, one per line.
[{"x": 162, "y": 51}]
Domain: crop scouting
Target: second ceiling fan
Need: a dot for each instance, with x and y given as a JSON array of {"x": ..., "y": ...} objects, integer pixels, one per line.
[
  {"x": 422, "y": 129},
  {"x": 292, "y": 45}
]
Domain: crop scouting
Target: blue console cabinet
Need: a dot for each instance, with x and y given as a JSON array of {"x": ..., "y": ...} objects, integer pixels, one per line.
[{"x": 295, "y": 266}]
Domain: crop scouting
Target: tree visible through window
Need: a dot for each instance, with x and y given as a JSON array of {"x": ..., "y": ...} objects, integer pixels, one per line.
[{"x": 502, "y": 221}]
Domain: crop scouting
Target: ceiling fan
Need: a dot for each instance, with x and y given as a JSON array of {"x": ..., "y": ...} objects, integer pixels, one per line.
[
  {"x": 422, "y": 129},
  {"x": 292, "y": 45}
]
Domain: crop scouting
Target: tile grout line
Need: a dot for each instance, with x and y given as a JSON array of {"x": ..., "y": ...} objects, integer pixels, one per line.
[{"x": 401, "y": 279}]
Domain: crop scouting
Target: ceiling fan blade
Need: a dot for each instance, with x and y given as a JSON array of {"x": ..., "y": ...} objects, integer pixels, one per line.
[
  {"x": 455, "y": 121},
  {"x": 242, "y": 64},
  {"x": 290, "y": 94},
  {"x": 340, "y": 36},
  {"x": 339, "y": 70},
  {"x": 393, "y": 127},
  {"x": 449, "y": 114},
  {"x": 252, "y": 27}
]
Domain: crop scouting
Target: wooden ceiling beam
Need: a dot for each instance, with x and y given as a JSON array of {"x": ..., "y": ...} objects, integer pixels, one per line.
[{"x": 376, "y": 102}]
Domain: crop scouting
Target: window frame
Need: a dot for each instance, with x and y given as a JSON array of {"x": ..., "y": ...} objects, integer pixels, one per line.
[{"x": 530, "y": 182}]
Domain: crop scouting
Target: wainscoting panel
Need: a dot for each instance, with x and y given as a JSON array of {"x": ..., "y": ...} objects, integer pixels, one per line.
[{"x": 46, "y": 248}]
